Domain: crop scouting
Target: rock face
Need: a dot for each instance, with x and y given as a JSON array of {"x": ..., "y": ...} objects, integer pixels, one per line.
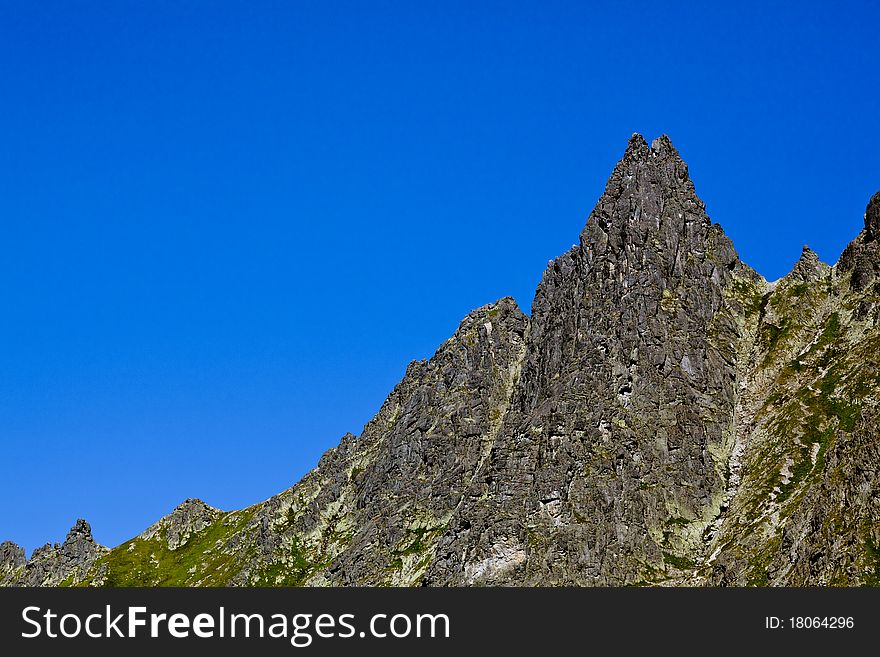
[
  {"x": 808, "y": 268},
  {"x": 862, "y": 256},
  {"x": 621, "y": 424},
  {"x": 665, "y": 417},
  {"x": 872, "y": 218},
  {"x": 186, "y": 520},
  {"x": 391, "y": 492},
  {"x": 12, "y": 560}
]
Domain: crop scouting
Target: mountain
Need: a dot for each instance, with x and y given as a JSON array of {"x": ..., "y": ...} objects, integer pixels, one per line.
[{"x": 665, "y": 417}]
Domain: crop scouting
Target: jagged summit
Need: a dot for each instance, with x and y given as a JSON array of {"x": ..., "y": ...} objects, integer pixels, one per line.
[
  {"x": 192, "y": 503},
  {"x": 81, "y": 531},
  {"x": 637, "y": 147},
  {"x": 52, "y": 565},
  {"x": 636, "y": 143},
  {"x": 662, "y": 147},
  {"x": 649, "y": 200},
  {"x": 664, "y": 417}
]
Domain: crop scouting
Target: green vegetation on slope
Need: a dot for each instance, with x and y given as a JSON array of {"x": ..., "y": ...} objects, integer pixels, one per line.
[{"x": 206, "y": 559}]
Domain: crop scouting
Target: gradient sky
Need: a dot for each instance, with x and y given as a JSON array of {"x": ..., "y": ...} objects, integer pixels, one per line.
[{"x": 227, "y": 231}]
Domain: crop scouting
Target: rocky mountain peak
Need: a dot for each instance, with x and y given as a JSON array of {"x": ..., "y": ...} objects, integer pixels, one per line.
[
  {"x": 649, "y": 202},
  {"x": 80, "y": 546}
]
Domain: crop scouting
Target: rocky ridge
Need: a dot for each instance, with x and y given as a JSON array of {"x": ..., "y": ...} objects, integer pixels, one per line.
[
  {"x": 52, "y": 565},
  {"x": 664, "y": 417}
]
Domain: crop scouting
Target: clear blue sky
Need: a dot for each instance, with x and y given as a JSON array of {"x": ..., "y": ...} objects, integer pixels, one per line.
[{"x": 227, "y": 231}]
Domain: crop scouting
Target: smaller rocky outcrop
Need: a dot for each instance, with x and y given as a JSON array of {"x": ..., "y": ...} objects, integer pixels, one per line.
[
  {"x": 54, "y": 565},
  {"x": 808, "y": 267},
  {"x": 189, "y": 518},
  {"x": 862, "y": 257},
  {"x": 11, "y": 559}
]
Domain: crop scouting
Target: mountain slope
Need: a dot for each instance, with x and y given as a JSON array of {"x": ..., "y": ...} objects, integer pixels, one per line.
[{"x": 666, "y": 416}]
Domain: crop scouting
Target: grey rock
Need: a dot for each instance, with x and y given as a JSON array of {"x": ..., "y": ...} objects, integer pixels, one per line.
[
  {"x": 862, "y": 257},
  {"x": 872, "y": 218},
  {"x": 622, "y": 413},
  {"x": 808, "y": 268},
  {"x": 189, "y": 518},
  {"x": 12, "y": 559},
  {"x": 54, "y": 565},
  {"x": 391, "y": 492}
]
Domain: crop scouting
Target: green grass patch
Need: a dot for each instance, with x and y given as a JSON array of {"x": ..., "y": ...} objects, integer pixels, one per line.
[
  {"x": 679, "y": 521},
  {"x": 292, "y": 567},
  {"x": 204, "y": 559},
  {"x": 678, "y": 562}
]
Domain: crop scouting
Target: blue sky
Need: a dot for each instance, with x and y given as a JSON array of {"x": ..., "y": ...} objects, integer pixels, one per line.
[{"x": 227, "y": 231}]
